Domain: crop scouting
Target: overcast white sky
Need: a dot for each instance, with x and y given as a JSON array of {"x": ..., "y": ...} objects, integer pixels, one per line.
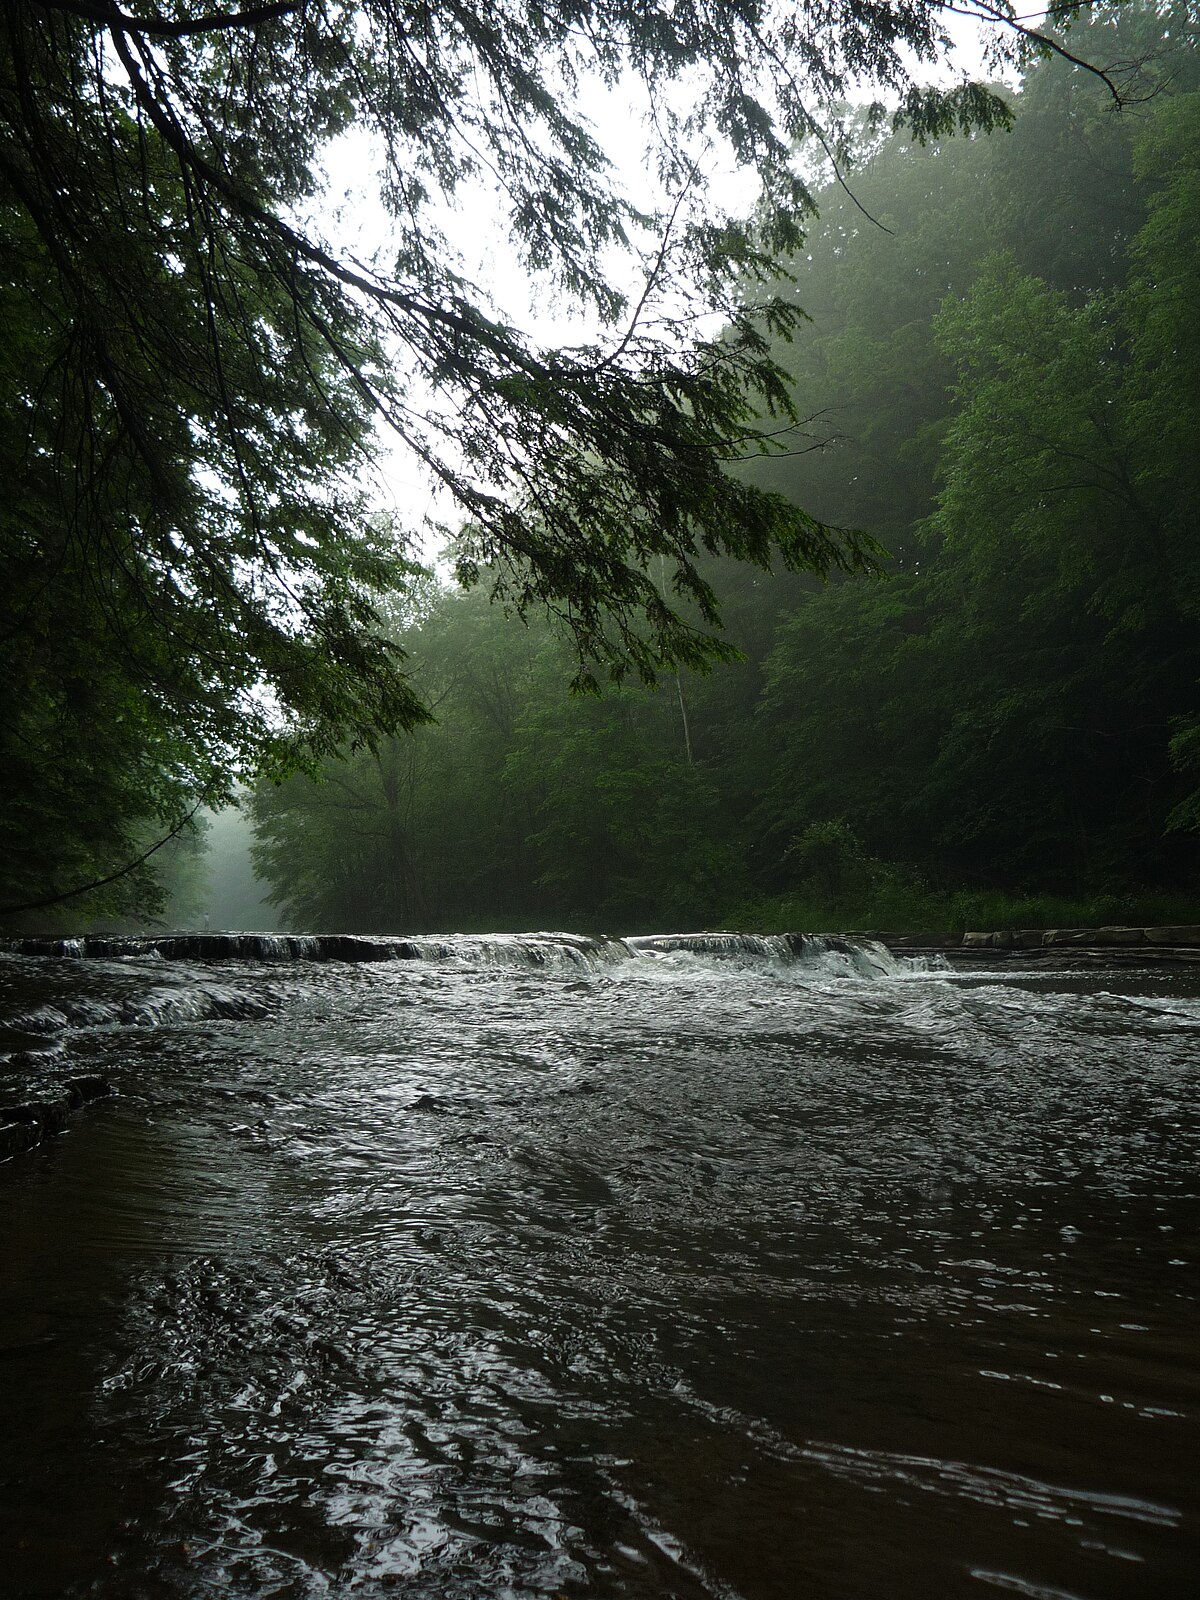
[{"x": 352, "y": 217}]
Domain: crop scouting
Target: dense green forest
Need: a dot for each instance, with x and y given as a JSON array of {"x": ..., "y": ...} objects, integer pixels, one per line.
[
  {"x": 202, "y": 366},
  {"x": 871, "y": 510},
  {"x": 1000, "y": 372}
]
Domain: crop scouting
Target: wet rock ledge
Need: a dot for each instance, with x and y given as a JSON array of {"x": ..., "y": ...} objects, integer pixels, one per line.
[
  {"x": 28, "y": 1123},
  {"x": 1181, "y": 943},
  {"x": 206, "y": 947}
]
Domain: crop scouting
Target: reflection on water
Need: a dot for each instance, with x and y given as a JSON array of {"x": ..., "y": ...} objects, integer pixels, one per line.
[{"x": 670, "y": 1276}]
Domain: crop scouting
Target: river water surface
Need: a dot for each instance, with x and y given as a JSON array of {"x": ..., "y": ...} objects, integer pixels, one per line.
[{"x": 565, "y": 1270}]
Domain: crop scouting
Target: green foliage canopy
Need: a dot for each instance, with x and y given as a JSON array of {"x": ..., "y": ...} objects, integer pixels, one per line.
[
  {"x": 1011, "y": 708},
  {"x": 193, "y": 371}
]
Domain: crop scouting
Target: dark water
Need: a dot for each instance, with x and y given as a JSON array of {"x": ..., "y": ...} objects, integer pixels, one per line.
[{"x": 677, "y": 1276}]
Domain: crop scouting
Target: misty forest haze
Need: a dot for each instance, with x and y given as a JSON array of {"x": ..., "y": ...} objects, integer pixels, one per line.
[{"x": 879, "y": 606}]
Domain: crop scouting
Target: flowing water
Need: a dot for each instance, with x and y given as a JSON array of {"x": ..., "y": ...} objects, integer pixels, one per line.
[{"x": 569, "y": 1268}]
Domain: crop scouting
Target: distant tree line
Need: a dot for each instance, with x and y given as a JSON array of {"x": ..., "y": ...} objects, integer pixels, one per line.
[
  {"x": 196, "y": 368},
  {"x": 1001, "y": 380}
]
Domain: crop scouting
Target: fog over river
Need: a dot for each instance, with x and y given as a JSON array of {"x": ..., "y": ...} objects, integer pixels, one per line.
[{"x": 522, "y": 1268}]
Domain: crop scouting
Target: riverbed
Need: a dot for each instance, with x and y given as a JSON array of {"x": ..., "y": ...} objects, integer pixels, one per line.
[{"x": 512, "y": 1269}]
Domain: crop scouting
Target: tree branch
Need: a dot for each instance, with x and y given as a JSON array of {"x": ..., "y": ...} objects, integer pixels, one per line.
[
  {"x": 164, "y": 27},
  {"x": 982, "y": 11},
  {"x": 100, "y": 883}
]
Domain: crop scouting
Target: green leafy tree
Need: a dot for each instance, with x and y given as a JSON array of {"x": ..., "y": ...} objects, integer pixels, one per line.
[
  {"x": 420, "y": 831},
  {"x": 1069, "y": 560},
  {"x": 195, "y": 371},
  {"x": 627, "y": 832},
  {"x": 1000, "y": 709},
  {"x": 521, "y": 804},
  {"x": 1164, "y": 385}
]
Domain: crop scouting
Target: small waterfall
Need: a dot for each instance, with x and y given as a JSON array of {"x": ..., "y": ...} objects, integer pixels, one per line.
[
  {"x": 208, "y": 946},
  {"x": 196, "y": 947},
  {"x": 491, "y": 949},
  {"x": 865, "y": 957},
  {"x": 848, "y": 957},
  {"x": 573, "y": 950},
  {"x": 729, "y": 946}
]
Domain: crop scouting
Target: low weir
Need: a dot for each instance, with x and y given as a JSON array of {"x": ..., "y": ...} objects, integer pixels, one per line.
[{"x": 533, "y": 949}]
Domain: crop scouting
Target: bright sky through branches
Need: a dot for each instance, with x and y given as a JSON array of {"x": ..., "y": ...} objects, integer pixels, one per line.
[{"x": 350, "y": 215}]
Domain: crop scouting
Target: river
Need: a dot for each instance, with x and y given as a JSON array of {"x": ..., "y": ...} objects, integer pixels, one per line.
[{"x": 562, "y": 1268}]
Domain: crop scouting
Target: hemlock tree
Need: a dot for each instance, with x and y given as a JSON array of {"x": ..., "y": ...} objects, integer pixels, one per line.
[{"x": 194, "y": 374}]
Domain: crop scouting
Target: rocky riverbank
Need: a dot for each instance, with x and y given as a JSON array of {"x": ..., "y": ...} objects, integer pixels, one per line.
[
  {"x": 28, "y": 1122},
  {"x": 1180, "y": 943}
]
